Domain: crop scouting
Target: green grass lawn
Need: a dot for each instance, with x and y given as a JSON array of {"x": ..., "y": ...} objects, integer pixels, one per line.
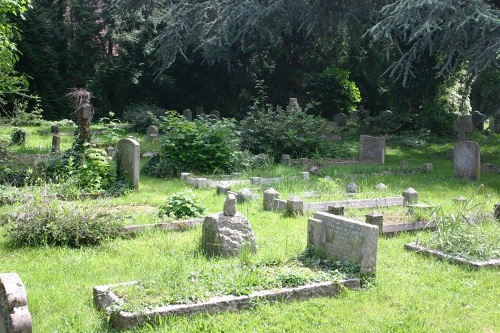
[{"x": 411, "y": 293}]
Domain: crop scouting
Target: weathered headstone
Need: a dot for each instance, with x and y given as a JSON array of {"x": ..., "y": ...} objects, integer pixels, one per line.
[
  {"x": 111, "y": 151},
  {"x": 293, "y": 104},
  {"x": 344, "y": 239},
  {"x": 152, "y": 133},
  {"x": 372, "y": 148},
  {"x": 223, "y": 189},
  {"x": 463, "y": 126},
  {"x": 129, "y": 154},
  {"x": 467, "y": 160},
  {"x": 410, "y": 196},
  {"x": 188, "y": 114},
  {"x": 305, "y": 175},
  {"x": 226, "y": 236},
  {"x": 315, "y": 170},
  {"x": 54, "y": 129},
  {"x": 352, "y": 188},
  {"x": 14, "y": 313},
  {"x": 478, "y": 120},
  {"x": 354, "y": 115},
  {"x": 285, "y": 159},
  {"x": 340, "y": 119},
  {"x": 199, "y": 111},
  {"x": 269, "y": 196},
  {"x": 56, "y": 143},
  {"x": 304, "y": 164},
  {"x": 215, "y": 113}
]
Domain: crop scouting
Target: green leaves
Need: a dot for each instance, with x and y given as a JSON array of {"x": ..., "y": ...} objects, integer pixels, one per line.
[{"x": 181, "y": 205}]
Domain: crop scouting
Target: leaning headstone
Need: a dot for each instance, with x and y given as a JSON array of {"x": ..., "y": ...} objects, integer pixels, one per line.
[
  {"x": 56, "y": 144},
  {"x": 54, "y": 129},
  {"x": 467, "y": 160},
  {"x": 128, "y": 157},
  {"x": 230, "y": 205},
  {"x": 463, "y": 126},
  {"x": 340, "y": 119},
  {"x": 152, "y": 133},
  {"x": 199, "y": 111},
  {"x": 188, "y": 114},
  {"x": 410, "y": 196},
  {"x": 226, "y": 236},
  {"x": 244, "y": 195},
  {"x": 215, "y": 113},
  {"x": 14, "y": 313},
  {"x": 269, "y": 196},
  {"x": 111, "y": 151},
  {"x": 372, "y": 148},
  {"x": 343, "y": 238},
  {"x": 478, "y": 120}
]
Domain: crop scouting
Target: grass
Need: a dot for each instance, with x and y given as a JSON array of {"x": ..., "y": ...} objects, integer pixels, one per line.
[{"x": 412, "y": 293}]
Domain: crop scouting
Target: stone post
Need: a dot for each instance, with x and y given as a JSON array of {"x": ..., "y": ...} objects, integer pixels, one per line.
[
  {"x": 54, "y": 129},
  {"x": 295, "y": 206},
  {"x": 375, "y": 218},
  {"x": 56, "y": 143},
  {"x": 410, "y": 196},
  {"x": 230, "y": 205},
  {"x": 269, "y": 196},
  {"x": 201, "y": 183},
  {"x": 497, "y": 211}
]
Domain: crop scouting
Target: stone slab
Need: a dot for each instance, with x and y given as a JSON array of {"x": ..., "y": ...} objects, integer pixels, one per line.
[{"x": 14, "y": 314}]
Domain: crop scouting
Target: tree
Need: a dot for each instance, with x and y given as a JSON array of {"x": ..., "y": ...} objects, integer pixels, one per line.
[{"x": 10, "y": 80}]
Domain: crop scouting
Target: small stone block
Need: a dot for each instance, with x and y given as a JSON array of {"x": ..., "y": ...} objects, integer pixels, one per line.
[
  {"x": 269, "y": 196},
  {"x": 230, "y": 205},
  {"x": 428, "y": 167},
  {"x": 410, "y": 196},
  {"x": 305, "y": 175},
  {"x": 295, "y": 206}
]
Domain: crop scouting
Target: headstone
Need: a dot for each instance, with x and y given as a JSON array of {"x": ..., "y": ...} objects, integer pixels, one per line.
[
  {"x": 230, "y": 205},
  {"x": 336, "y": 210},
  {"x": 304, "y": 164},
  {"x": 305, "y": 175},
  {"x": 56, "y": 143},
  {"x": 497, "y": 211},
  {"x": 185, "y": 175},
  {"x": 428, "y": 167},
  {"x": 293, "y": 104},
  {"x": 226, "y": 236},
  {"x": 152, "y": 133},
  {"x": 467, "y": 160},
  {"x": 54, "y": 129},
  {"x": 478, "y": 120},
  {"x": 343, "y": 238},
  {"x": 352, "y": 188},
  {"x": 128, "y": 157},
  {"x": 410, "y": 196},
  {"x": 244, "y": 195},
  {"x": 380, "y": 187},
  {"x": 295, "y": 206},
  {"x": 188, "y": 114},
  {"x": 111, "y": 151},
  {"x": 463, "y": 126},
  {"x": 372, "y": 148},
  {"x": 354, "y": 115},
  {"x": 375, "y": 218},
  {"x": 285, "y": 159},
  {"x": 215, "y": 113},
  {"x": 14, "y": 313},
  {"x": 340, "y": 119},
  {"x": 269, "y": 196},
  {"x": 199, "y": 111}
]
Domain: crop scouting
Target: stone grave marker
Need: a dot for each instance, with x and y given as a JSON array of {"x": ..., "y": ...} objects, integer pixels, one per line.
[
  {"x": 285, "y": 159},
  {"x": 467, "y": 160},
  {"x": 354, "y": 115},
  {"x": 344, "y": 239},
  {"x": 340, "y": 119},
  {"x": 199, "y": 111},
  {"x": 293, "y": 104},
  {"x": 56, "y": 144},
  {"x": 14, "y": 314},
  {"x": 215, "y": 113},
  {"x": 463, "y": 126},
  {"x": 129, "y": 154},
  {"x": 372, "y": 148},
  {"x": 54, "y": 129},
  {"x": 188, "y": 114},
  {"x": 111, "y": 151},
  {"x": 152, "y": 133},
  {"x": 478, "y": 120}
]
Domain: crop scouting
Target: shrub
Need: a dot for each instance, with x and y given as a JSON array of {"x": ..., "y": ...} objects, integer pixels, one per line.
[
  {"x": 204, "y": 145},
  {"x": 181, "y": 205},
  {"x": 56, "y": 223},
  {"x": 19, "y": 136},
  {"x": 140, "y": 116}
]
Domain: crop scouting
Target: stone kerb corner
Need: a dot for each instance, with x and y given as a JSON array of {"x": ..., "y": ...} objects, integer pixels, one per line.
[
  {"x": 345, "y": 239},
  {"x": 14, "y": 314}
]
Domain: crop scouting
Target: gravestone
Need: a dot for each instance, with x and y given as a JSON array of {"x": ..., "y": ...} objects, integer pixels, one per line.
[
  {"x": 56, "y": 144},
  {"x": 352, "y": 188},
  {"x": 111, "y": 151},
  {"x": 372, "y": 148},
  {"x": 269, "y": 196},
  {"x": 14, "y": 314},
  {"x": 467, "y": 160},
  {"x": 354, "y": 115},
  {"x": 54, "y": 129},
  {"x": 293, "y": 105},
  {"x": 226, "y": 234},
  {"x": 128, "y": 156},
  {"x": 343, "y": 238},
  {"x": 152, "y": 133},
  {"x": 215, "y": 113},
  {"x": 199, "y": 111},
  {"x": 188, "y": 114},
  {"x": 428, "y": 167},
  {"x": 478, "y": 120},
  {"x": 340, "y": 119},
  {"x": 285, "y": 159},
  {"x": 463, "y": 126}
]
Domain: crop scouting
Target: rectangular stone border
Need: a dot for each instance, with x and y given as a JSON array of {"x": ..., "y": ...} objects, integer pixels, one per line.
[
  {"x": 280, "y": 204},
  {"x": 132, "y": 230},
  {"x": 494, "y": 263},
  {"x": 103, "y": 298},
  {"x": 390, "y": 230}
]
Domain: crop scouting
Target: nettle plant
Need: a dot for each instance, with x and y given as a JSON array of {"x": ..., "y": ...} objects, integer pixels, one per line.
[{"x": 181, "y": 205}]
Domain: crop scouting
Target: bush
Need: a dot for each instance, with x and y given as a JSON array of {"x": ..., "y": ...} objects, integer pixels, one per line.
[
  {"x": 140, "y": 116},
  {"x": 19, "y": 136},
  {"x": 56, "y": 223},
  {"x": 204, "y": 145},
  {"x": 181, "y": 205}
]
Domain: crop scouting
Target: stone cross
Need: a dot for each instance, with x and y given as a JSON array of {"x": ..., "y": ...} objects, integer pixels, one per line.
[{"x": 463, "y": 126}]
